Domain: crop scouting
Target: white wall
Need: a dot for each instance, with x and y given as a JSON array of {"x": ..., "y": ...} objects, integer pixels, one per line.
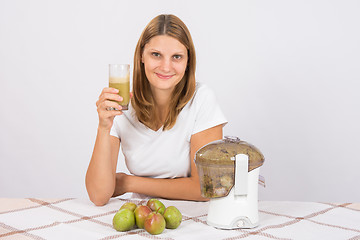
[{"x": 285, "y": 72}]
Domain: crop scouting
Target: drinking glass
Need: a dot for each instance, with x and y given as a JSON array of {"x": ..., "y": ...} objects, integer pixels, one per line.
[{"x": 119, "y": 78}]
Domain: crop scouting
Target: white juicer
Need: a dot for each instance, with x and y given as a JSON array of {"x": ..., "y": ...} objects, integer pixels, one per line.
[{"x": 229, "y": 173}]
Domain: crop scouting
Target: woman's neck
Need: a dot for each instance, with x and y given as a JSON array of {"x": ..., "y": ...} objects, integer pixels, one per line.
[
  {"x": 162, "y": 100},
  {"x": 162, "y": 110}
]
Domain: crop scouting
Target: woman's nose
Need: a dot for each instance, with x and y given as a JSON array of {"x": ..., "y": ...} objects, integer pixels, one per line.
[{"x": 165, "y": 65}]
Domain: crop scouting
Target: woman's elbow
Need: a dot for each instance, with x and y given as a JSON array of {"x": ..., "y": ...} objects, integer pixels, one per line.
[
  {"x": 200, "y": 198},
  {"x": 97, "y": 195},
  {"x": 99, "y": 201},
  {"x": 97, "y": 198},
  {"x": 197, "y": 196}
]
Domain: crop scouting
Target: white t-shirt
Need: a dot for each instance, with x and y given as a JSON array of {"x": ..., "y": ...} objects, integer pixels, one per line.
[{"x": 165, "y": 154}]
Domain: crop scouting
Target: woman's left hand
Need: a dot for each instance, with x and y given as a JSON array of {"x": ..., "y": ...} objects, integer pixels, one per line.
[{"x": 120, "y": 184}]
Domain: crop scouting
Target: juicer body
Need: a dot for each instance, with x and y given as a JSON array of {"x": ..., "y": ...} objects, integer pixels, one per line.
[{"x": 237, "y": 210}]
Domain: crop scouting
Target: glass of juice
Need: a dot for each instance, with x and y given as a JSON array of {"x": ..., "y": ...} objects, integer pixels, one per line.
[{"x": 119, "y": 78}]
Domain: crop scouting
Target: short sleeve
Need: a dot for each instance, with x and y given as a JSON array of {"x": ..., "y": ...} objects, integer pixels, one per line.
[
  {"x": 115, "y": 130},
  {"x": 208, "y": 111}
]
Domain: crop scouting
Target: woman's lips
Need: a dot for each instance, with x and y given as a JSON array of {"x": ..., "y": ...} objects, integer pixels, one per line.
[{"x": 163, "y": 76}]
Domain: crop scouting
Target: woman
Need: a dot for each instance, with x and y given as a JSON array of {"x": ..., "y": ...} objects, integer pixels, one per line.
[{"x": 169, "y": 118}]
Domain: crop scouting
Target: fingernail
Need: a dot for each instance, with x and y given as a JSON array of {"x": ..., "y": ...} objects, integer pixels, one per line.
[
  {"x": 119, "y": 107},
  {"x": 120, "y": 98}
]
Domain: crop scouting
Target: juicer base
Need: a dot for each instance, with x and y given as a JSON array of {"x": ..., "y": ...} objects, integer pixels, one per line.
[
  {"x": 240, "y": 222},
  {"x": 236, "y": 211}
]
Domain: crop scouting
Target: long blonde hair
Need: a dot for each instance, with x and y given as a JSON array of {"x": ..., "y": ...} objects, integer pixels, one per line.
[{"x": 142, "y": 100}]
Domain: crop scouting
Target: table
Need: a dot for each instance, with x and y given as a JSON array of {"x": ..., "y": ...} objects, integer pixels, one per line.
[{"x": 35, "y": 218}]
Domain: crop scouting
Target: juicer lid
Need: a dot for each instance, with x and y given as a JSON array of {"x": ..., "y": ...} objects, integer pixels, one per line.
[{"x": 223, "y": 152}]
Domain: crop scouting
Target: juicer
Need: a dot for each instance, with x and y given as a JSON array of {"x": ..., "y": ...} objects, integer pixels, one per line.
[{"x": 229, "y": 173}]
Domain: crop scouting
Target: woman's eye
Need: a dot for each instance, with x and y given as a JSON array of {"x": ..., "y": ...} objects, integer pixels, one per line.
[
  {"x": 155, "y": 54},
  {"x": 177, "y": 57}
]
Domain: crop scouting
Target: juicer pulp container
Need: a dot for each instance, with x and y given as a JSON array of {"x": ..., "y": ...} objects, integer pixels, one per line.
[
  {"x": 215, "y": 163},
  {"x": 229, "y": 172}
]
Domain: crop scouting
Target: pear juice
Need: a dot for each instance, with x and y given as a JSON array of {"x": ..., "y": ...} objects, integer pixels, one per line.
[{"x": 123, "y": 85}]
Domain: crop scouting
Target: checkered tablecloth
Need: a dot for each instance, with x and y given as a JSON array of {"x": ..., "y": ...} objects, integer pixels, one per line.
[{"x": 79, "y": 219}]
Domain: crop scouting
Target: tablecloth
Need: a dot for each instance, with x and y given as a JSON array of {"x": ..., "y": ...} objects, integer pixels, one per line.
[{"x": 35, "y": 218}]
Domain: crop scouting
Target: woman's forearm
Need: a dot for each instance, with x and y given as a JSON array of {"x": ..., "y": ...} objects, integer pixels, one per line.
[
  {"x": 187, "y": 188},
  {"x": 101, "y": 173}
]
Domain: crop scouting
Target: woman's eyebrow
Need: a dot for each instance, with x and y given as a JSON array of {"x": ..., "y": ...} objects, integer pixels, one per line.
[{"x": 180, "y": 52}]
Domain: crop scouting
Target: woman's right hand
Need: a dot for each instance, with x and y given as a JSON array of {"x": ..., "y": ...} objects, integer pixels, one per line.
[{"x": 105, "y": 106}]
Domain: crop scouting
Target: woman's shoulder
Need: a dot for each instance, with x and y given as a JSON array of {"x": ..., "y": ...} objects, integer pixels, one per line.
[
  {"x": 202, "y": 91},
  {"x": 200, "y": 86},
  {"x": 202, "y": 94}
]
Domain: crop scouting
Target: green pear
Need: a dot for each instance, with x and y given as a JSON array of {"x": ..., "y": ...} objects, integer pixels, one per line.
[
  {"x": 141, "y": 212},
  {"x": 154, "y": 223},
  {"x": 129, "y": 205},
  {"x": 173, "y": 217},
  {"x": 156, "y": 206},
  {"x": 124, "y": 220}
]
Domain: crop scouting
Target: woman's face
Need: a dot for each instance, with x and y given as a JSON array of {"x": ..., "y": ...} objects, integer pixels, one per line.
[{"x": 165, "y": 61}]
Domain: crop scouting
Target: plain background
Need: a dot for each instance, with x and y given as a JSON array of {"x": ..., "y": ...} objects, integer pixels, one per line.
[{"x": 286, "y": 74}]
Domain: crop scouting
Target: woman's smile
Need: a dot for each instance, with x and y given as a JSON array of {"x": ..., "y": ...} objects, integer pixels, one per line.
[{"x": 163, "y": 76}]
